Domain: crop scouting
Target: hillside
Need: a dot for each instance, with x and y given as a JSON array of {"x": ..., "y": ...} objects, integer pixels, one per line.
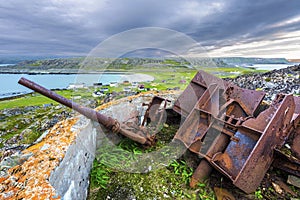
[{"x": 92, "y": 65}]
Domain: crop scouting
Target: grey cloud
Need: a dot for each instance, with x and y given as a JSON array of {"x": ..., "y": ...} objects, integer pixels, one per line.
[
  {"x": 75, "y": 27},
  {"x": 251, "y": 18}
]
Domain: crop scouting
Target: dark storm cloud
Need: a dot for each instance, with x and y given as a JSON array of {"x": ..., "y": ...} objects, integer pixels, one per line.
[
  {"x": 248, "y": 21},
  {"x": 69, "y": 27}
]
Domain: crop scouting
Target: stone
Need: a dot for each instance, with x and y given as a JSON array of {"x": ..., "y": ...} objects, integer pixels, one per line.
[
  {"x": 293, "y": 180},
  {"x": 270, "y": 85},
  {"x": 45, "y": 147}
]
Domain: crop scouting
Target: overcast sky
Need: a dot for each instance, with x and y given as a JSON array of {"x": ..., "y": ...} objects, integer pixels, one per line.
[{"x": 260, "y": 28}]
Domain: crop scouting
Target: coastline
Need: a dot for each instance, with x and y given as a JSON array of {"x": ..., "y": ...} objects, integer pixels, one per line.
[
  {"x": 67, "y": 72},
  {"x": 15, "y": 93}
]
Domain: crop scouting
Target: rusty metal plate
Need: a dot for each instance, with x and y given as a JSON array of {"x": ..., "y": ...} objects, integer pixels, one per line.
[{"x": 261, "y": 157}]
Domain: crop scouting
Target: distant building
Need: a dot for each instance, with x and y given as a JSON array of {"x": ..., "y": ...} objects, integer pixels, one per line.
[
  {"x": 47, "y": 105},
  {"x": 98, "y": 94},
  {"x": 76, "y": 85},
  {"x": 113, "y": 84},
  {"x": 127, "y": 89},
  {"x": 134, "y": 84},
  {"x": 126, "y": 82},
  {"x": 104, "y": 90},
  {"x": 97, "y": 84},
  {"x": 141, "y": 87}
]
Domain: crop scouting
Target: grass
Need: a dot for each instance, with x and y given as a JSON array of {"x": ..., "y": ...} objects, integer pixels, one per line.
[
  {"x": 30, "y": 123},
  {"x": 168, "y": 182},
  {"x": 36, "y": 99},
  {"x": 171, "y": 78}
]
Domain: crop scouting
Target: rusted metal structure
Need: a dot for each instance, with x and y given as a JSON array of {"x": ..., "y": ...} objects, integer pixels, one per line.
[{"x": 223, "y": 124}]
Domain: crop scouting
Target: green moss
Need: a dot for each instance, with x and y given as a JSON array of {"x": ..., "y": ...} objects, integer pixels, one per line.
[
  {"x": 165, "y": 183},
  {"x": 31, "y": 136},
  {"x": 29, "y": 124},
  {"x": 268, "y": 79},
  {"x": 111, "y": 177}
]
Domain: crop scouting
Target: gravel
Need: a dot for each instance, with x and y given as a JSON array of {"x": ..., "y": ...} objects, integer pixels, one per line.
[{"x": 285, "y": 80}]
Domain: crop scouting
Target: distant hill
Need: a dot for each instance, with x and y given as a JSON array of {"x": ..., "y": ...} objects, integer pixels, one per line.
[
  {"x": 90, "y": 64},
  {"x": 242, "y": 60},
  {"x": 294, "y": 60},
  {"x": 16, "y": 59}
]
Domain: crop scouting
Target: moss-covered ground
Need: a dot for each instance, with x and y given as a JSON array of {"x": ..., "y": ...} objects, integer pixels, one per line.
[{"x": 110, "y": 178}]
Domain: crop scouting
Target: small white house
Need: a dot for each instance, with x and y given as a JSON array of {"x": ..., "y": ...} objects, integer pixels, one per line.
[
  {"x": 104, "y": 90},
  {"x": 98, "y": 94},
  {"x": 127, "y": 89},
  {"x": 134, "y": 84},
  {"x": 113, "y": 84},
  {"x": 76, "y": 85}
]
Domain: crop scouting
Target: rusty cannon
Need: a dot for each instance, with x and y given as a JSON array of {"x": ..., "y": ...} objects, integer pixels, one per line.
[
  {"x": 112, "y": 124},
  {"x": 228, "y": 127}
]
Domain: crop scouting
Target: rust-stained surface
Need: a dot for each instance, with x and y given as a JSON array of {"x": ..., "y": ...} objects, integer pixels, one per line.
[{"x": 223, "y": 125}]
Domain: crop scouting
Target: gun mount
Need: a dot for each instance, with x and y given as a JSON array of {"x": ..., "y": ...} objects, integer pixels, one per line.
[{"x": 139, "y": 136}]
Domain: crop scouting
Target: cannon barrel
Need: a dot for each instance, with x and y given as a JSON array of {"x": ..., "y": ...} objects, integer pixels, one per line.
[{"x": 108, "y": 122}]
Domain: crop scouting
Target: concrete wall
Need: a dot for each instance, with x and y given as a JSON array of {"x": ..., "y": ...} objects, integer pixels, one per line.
[{"x": 71, "y": 178}]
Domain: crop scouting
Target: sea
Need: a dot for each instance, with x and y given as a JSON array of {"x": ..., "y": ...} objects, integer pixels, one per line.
[
  {"x": 9, "y": 86},
  {"x": 270, "y": 66}
]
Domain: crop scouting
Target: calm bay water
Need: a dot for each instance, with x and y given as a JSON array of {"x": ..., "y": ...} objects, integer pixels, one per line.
[
  {"x": 271, "y": 66},
  {"x": 9, "y": 82}
]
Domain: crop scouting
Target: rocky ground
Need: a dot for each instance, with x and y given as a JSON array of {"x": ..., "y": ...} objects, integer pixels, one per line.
[
  {"x": 22, "y": 126},
  {"x": 285, "y": 80},
  {"x": 19, "y": 127}
]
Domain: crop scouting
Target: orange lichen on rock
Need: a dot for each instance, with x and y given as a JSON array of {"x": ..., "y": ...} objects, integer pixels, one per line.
[{"x": 31, "y": 179}]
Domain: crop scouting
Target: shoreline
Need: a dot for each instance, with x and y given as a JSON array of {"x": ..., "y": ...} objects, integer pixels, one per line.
[
  {"x": 64, "y": 73},
  {"x": 127, "y": 76}
]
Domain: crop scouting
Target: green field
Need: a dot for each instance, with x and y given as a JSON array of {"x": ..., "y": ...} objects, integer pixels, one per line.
[{"x": 36, "y": 99}]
